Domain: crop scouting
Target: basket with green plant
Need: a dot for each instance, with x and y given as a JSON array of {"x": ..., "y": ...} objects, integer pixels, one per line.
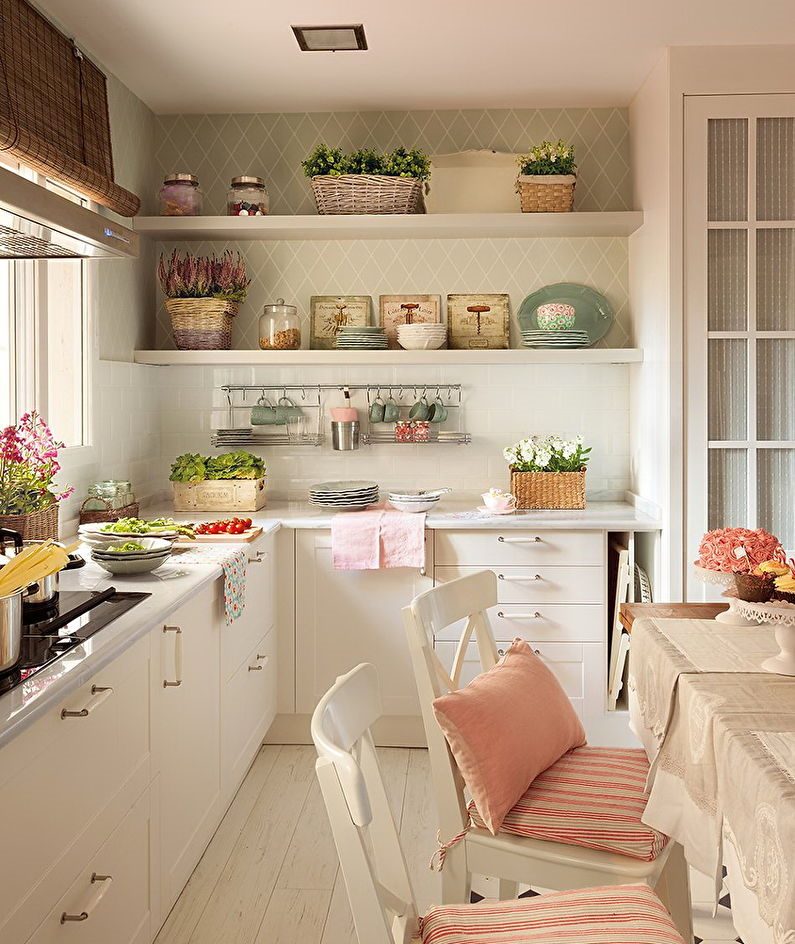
[
  {"x": 547, "y": 177},
  {"x": 368, "y": 181}
]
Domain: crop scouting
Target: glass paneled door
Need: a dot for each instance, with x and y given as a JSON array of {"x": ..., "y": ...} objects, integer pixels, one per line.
[{"x": 739, "y": 307}]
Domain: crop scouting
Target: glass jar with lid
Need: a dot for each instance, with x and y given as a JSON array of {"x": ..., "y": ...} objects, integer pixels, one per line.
[
  {"x": 247, "y": 196},
  {"x": 279, "y": 327},
  {"x": 180, "y": 195},
  {"x": 110, "y": 494}
]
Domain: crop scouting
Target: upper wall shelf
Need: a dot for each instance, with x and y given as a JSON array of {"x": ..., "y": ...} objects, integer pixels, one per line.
[
  {"x": 591, "y": 355},
  {"x": 419, "y": 226}
]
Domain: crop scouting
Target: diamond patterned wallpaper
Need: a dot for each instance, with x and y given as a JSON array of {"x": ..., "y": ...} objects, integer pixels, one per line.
[
  {"x": 218, "y": 147},
  {"x": 295, "y": 270}
]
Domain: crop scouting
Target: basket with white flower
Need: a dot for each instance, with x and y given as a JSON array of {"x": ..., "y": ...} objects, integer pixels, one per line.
[{"x": 548, "y": 472}]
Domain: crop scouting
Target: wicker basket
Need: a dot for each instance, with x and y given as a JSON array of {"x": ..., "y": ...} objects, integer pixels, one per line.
[
  {"x": 367, "y": 193},
  {"x": 202, "y": 324},
  {"x": 548, "y": 489},
  {"x": 35, "y": 526},
  {"x": 553, "y": 193},
  {"x": 100, "y": 516}
]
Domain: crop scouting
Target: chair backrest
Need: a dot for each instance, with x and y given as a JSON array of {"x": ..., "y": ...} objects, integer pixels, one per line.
[
  {"x": 371, "y": 858},
  {"x": 465, "y": 599}
]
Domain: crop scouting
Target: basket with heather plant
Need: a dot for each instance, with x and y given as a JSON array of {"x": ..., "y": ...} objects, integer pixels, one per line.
[
  {"x": 368, "y": 181},
  {"x": 547, "y": 176},
  {"x": 203, "y": 294}
]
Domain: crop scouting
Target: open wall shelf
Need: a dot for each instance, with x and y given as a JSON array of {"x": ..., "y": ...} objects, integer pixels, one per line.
[
  {"x": 445, "y": 357},
  {"x": 395, "y": 226}
]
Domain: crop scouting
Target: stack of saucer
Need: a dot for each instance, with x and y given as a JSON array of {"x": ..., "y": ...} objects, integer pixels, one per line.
[
  {"x": 363, "y": 338},
  {"x": 422, "y": 337},
  {"x": 344, "y": 496},
  {"x": 416, "y": 501},
  {"x": 564, "y": 338},
  {"x": 132, "y": 556}
]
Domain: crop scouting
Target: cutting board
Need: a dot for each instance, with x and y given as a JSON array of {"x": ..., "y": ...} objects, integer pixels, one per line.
[{"x": 247, "y": 536}]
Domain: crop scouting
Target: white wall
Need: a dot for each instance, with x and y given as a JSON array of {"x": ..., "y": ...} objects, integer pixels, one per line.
[
  {"x": 502, "y": 404},
  {"x": 654, "y": 397}
]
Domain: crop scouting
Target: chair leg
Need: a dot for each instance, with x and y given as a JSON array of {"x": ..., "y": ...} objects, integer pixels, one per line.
[
  {"x": 508, "y": 890},
  {"x": 456, "y": 878},
  {"x": 673, "y": 889}
]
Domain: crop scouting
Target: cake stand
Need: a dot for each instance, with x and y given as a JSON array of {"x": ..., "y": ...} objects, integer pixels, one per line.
[
  {"x": 733, "y": 616},
  {"x": 781, "y": 616}
]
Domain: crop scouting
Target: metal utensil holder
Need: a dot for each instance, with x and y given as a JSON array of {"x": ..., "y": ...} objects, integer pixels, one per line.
[{"x": 451, "y": 396}]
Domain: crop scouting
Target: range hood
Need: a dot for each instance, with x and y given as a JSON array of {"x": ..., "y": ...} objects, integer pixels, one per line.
[{"x": 36, "y": 223}]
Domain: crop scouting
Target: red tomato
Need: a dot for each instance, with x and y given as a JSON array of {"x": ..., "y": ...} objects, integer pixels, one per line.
[
  {"x": 214, "y": 529},
  {"x": 239, "y": 527},
  {"x": 247, "y": 523}
]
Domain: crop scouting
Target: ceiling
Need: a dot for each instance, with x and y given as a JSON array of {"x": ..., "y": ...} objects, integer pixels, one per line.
[{"x": 240, "y": 56}]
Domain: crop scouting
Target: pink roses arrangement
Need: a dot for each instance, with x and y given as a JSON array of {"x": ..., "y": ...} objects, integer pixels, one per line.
[
  {"x": 28, "y": 466},
  {"x": 738, "y": 550}
]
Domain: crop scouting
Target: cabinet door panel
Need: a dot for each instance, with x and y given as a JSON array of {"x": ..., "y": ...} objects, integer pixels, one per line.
[
  {"x": 538, "y": 584},
  {"x": 514, "y": 546},
  {"x": 258, "y": 615},
  {"x": 186, "y": 725},
  {"x": 347, "y": 617}
]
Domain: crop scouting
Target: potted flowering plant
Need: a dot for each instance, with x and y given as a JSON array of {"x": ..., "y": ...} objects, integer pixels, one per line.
[
  {"x": 548, "y": 472},
  {"x": 28, "y": 466},
  {"x": 202, "y": 297},
  {"x": 547, "y": 178}
]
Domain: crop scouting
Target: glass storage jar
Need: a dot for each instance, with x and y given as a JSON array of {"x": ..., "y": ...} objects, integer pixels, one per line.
[
  {"x": 180, "y": 196},
  {"x": 279, "y": 327},
  {"x": 112, "y": 494},
  {"x": 247, "y": 196}
]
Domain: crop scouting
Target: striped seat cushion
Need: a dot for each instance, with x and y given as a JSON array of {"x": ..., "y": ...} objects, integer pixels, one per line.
[
  {"x": 592, "y": 797},
  {"x": 621, "y": 914}
]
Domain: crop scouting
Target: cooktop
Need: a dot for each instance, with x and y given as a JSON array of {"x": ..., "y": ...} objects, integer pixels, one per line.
[{"x": 50, "y": 631}]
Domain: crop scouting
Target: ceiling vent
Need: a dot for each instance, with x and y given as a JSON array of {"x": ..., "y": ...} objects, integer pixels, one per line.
[{"x": 330, "y": 38}]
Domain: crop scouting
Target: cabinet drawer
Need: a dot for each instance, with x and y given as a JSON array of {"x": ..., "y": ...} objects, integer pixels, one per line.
[
  {"x": 545, "y": 622},
  {"x": 258, "y": 615},
  {"x": 566, "y": 660},
  {"x": 493, "y": 548},
  {"x": 76, "y": 765},
  {"x": 117, "y": 903},
  {"x": 537, "y": 583},
  {"x": 248, "y": 706}
]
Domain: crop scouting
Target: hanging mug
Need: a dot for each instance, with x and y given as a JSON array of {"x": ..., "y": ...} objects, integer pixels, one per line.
[
  {"x": 421, "y": 409},
  {"x": 377, "y": 410},
  {"x": 391, "y": 410},
  {"x": 264, "y": 413}
]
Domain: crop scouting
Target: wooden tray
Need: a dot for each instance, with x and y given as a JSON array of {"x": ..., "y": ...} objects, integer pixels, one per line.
[{"x": 251, "y": 535}]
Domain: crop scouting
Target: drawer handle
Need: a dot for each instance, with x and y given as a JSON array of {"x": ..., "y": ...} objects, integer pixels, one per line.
[
  {"x": 177, "y": 630},
  {"x": 501, "y": 652},
  {"x": 98, "y": 695},
  {"x": 519, "y": 616},
  {"x": 533, "y": 540},
  {"x": 264, "y": 659},
  {"x": 259, "y": 558},
  {"x": 103, "y": 883},
  {"x": 519, "y": 578}
]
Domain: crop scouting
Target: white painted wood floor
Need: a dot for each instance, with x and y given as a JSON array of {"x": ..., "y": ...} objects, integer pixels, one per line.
[{"x": 271, "y": 874}]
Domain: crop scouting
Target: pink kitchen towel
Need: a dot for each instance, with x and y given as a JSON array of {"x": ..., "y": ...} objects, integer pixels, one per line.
[
  {"x": 402, "y": 539},
  {"x": 369, "y": 540},
  {"x": 355, "y": 540}
]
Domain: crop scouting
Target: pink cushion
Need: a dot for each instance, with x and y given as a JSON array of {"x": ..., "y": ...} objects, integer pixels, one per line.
[{"x": 505, "y": 727}]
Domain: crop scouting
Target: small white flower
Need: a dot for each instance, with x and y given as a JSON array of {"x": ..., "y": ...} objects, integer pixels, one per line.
[
  {"x": 569, "y": 449},
  {"x": 543, "y": 459}
]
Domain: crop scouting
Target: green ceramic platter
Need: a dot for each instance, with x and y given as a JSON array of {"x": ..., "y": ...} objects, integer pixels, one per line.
[{"x": 593, "y": 311}]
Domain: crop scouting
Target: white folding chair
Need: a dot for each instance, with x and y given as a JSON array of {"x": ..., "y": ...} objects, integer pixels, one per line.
[
  {"x": 374, "y": 868},
  {"x": 510, "y": 858}
]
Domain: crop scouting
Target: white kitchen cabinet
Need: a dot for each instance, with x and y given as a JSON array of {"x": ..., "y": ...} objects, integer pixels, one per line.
[
  {"x": 186, "y": 734},
  {"x": 66, "y": 782},
  {"x": 111, "y": 899},
  {"x": 344, "y": 617}
]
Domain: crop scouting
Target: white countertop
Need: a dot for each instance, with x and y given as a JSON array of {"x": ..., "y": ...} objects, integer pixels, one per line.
[
  {"x": 455, "y": 512},
  {"x": 174, "y": 584}
]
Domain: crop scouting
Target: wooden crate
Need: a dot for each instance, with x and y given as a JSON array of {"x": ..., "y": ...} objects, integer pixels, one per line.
[{"x": 220, "y": 495}]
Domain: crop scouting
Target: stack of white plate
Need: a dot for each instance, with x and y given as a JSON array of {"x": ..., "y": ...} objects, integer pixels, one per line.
[
  {"x": 564, "y": 338},
  {"x": 111, "y": 557},
  {"x": 352, "y": 338},
  {"x": 422, "y": 337},
  {"x": 344, "y": 496},
  {"x": 416, "y": 501},
  {"x": 94, "y": 535}
]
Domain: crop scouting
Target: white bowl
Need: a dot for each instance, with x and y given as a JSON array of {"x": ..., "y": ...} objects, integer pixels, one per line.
[
  {"x": 421, "y": 343},
  {"x": 129, "y": 567},
  {"x": 150, "y": 546},
  {"x": 413, "y": 506}
]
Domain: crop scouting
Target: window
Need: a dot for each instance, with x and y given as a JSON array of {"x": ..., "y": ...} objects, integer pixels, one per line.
[{"x": 44, "y": 338}]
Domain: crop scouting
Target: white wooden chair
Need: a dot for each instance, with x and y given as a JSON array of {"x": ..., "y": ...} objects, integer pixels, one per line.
[
  {"x": 509, "y": 858},
  {"x": 374, "y": 868}
]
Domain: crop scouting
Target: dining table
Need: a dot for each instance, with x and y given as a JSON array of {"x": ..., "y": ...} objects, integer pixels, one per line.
[{"x": 719, "y": 731}]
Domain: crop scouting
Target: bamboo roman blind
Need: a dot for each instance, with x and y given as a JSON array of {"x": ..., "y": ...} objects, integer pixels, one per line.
[{"x": 54, "y": 108}]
